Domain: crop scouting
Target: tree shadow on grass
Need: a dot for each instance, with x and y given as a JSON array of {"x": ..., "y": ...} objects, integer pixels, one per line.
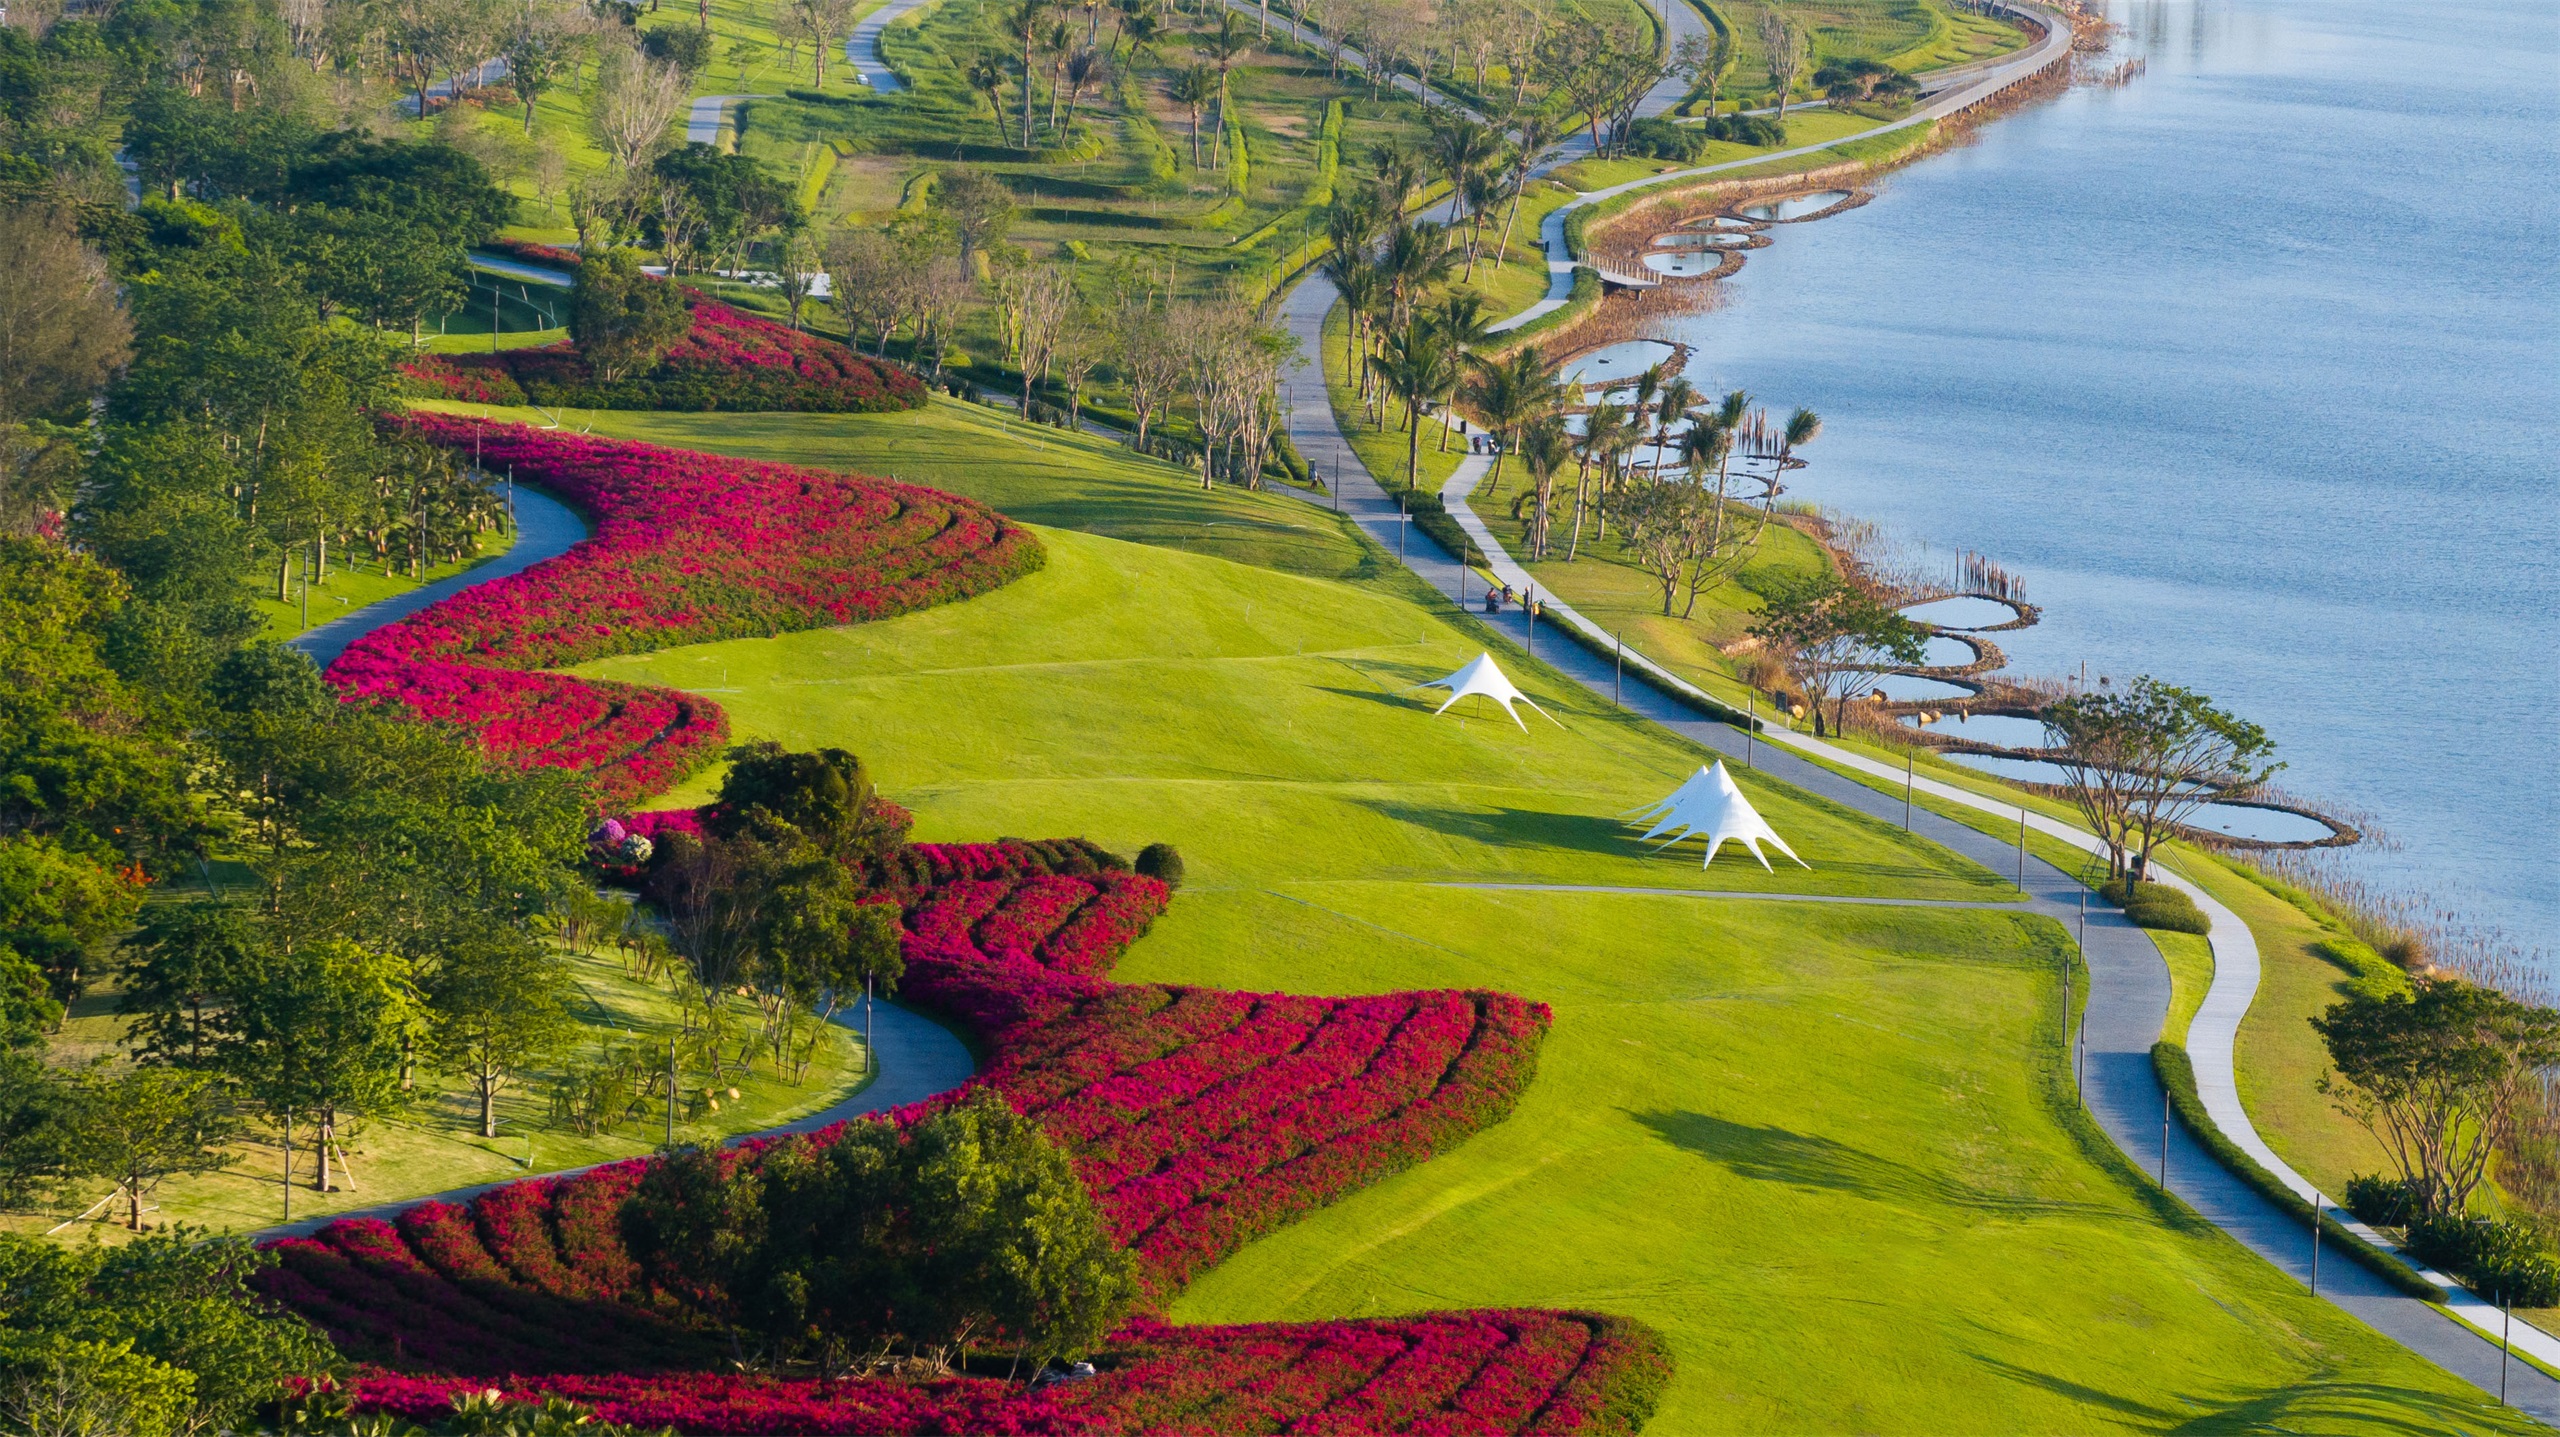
[
  {"x": 1819, "y": 1164},
  {"x": 1514, "y": 828},
  {"x": 2310, "y": 1404}
]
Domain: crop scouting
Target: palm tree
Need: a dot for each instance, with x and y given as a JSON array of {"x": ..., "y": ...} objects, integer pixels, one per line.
[
  {"x": 1537, "y": 131},
  {"x": 1510, "y": 395},
  {"x": 1463, "y": 146},
  {"x": 1223, "y": 45},
  {"x": 1356, "y": 280},
  {"x": 1544, "y": 447},
  {"x": 987, "y": 78},
  {"x": 1413, "y": 259},
  {"x": 1422, "y": 367},
  {"x": 1599, "y": 430},
  {"x": 1024, "y": 20},
  {"x": 1192, "y": 89},
  {"x": 1803, "y": 427},
  {"x": 1673, "y": 407}
]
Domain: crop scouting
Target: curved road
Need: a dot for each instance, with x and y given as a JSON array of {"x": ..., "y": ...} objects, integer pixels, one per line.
[{"x": 915, "y": 1057}]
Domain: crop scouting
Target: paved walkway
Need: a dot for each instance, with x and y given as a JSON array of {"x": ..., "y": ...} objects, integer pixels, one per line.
[
  {"x": 916, "y": 1056},
  {"x": 545, "y": 528},
  {"x": 702, "y": 122},
  {"x": 2129, "y": 983},
  {"x": 862, "y": 47}
]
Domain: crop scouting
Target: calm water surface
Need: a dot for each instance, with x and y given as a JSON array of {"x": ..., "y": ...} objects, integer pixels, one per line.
[{"x": 2250, "y": 369}]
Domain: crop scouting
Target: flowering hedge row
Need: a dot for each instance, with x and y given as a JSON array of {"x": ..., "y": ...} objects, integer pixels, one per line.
[
  {"x": 728, "y": 359},
  {"x": 1203, "y": 1119},
  {"x": 1200, "y": 1119},
  {"x": 1503, "y": 1371},
  {"x": 688, "y": 548}
]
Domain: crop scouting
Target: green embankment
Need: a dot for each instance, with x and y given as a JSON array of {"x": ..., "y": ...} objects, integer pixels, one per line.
[
  {"x": 350, "y": 586},
  {"x": 436, "y": 1145},
  {"x": 1829, "y": 1151}
]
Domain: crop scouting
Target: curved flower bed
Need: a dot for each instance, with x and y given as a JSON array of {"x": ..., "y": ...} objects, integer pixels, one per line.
[
  {"x": 1201, "y": 1119},
  {"x": 1502, "y": 1371},
  {"x": 688, "y": 548},
  {"x": 728, "y": 359}
]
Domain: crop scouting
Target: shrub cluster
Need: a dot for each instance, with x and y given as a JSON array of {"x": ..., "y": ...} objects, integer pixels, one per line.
[
  {"x": 2156, "y": 905},
  {"x": 1197, "y": 1119},
  {"x": 727, "y": 360},
  {"x": 1500, "y": 1371},
  {"x": 688, "y": 548},
  {"x": 2501, "y": 1257},
  {"x": 1661, "y": 138}
]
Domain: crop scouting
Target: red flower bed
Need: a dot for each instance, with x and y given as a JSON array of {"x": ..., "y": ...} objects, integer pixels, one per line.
[
  {"x": 1466, "y": 1372},
  {"x": 688, "y": 548},
  {"x": 1200, "y": 1119},
  {"x": 727, "y": 360}
]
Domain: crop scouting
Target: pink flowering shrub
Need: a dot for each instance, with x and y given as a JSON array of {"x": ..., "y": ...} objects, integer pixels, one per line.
[
  {"x": 688, "y": 548},
  {"x": 1200, "y": 1119},
  {"x": 1503, "y": 1371},
  {"x": 727, "y": 360}
]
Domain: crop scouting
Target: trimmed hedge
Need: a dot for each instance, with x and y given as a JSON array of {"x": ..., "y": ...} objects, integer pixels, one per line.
[
  {"x": 2178, "y": 1074},
  {"x": 2157, "y": 905}
]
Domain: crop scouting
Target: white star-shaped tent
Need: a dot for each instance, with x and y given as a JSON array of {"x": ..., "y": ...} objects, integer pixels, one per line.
[
  {"x": 1483, "y": 676},
  {"x": 1711, "y": 806}
]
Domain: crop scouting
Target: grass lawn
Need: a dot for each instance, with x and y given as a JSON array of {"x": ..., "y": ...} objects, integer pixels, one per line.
[
  {"x": 1273, "y": 706},
  {"x": 352, "y": 586},
  {"x": 1830, "y": 1151},
  {"x": 436, "y": 1145},
  {"x": 1041, "y": 476}
]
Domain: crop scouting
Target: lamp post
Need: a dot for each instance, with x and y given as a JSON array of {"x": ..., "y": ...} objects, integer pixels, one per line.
[{"x": 1618, "y": 680}]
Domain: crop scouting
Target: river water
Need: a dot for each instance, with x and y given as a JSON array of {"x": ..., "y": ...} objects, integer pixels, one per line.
[{"x": 2250, "y": 368}]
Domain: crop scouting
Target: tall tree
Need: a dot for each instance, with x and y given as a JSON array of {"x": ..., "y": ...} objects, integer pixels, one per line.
[
  {"x": 321, "y": 1032},
  {"x": 2435, "y": 1074},
  {"x": 1836, "y": 640},
  {"x": 495, "y": 1009},
  {"x": 139, "y": 1126},
  {"x": 2140, "y": 758},
  {"x": 63, "y": 331}
]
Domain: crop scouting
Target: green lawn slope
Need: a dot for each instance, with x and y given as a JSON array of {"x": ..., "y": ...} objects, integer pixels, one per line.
[{"x": 1829, "y": 1150}]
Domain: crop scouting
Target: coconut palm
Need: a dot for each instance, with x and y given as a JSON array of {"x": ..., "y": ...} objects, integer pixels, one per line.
[
  {"x": 1422, "y": 367},
  {"x": 986, "y": 76},
  {"x": 1544, "y": 447},
  {"x": 1413, "y": 259},
  {"x": 1511, "y": 394},
  {"x": 1192, "y": 89},
  {"x": 1673, "y": 407},
  {"x": 1803, "y": 427},
  {"x": 1223, "y": 45}
]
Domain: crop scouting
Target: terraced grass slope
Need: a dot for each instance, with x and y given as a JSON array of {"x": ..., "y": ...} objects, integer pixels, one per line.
[{"x": 1828, "y": 1150}]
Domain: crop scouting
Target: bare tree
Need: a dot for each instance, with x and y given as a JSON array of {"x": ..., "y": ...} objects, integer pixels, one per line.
[
  {"x": 1782, "y": 44},
  {"x": 1047, "y": 296},
  {"x": 62, "y": 332},
  {"x": 636, "y": 99},
  {"x": 870, "y": 280},
  {"x": 823, "y": 23},
  {"x": 1151, "y": 361}
]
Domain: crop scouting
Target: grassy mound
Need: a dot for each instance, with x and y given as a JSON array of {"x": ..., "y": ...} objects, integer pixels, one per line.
[{"x": 1828, "y": 1151}]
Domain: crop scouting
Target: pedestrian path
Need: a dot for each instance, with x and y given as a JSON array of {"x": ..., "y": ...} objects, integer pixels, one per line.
[
  {"x": 2129, "y": 987},
  {"x": 545, "y": 528},
  {"x": 862, "y": 47},
  {"x": 703, "y": 121},
  {"x": 915, "y": 1058}
]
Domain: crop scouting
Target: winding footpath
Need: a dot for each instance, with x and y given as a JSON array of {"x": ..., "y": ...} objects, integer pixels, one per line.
[
  {"x": 2129, "y": 987},
  {"x": 912, "y": 1056},
  {"x": 2129, "y": 982}
]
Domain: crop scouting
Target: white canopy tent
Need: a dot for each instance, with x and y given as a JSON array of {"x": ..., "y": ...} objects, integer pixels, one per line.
[
  {"x": 1483, "y": 676},
  {"x": 1711, "y": 806}
]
